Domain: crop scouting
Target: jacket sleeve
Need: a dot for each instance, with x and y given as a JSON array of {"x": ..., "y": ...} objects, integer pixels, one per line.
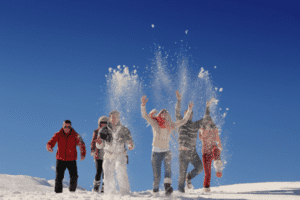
[
  {"x": 184, "y": 120},
  {"x": 147, "y": 118},
  {"x": 52, "y": 141},
  {"x": 128, "y": 138},
  {"x": 93, "y": 143},
  {"x": 80, "y": 143},
  {"x": 177, "y": 110}
]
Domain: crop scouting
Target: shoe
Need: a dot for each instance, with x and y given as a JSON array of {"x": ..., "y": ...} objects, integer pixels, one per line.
[
  {"x": 206, "y": 189},
  {"x": 102, "y": 188},
  {"x": 96, "y": 186},
  {"x": 219, "y": 174},
  {"x": 189, "y": 182},
  {"x": 168, "y": 189},
  {"x": 155, "y": 192}
]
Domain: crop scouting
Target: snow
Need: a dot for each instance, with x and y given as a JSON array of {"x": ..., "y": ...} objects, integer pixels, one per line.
[{"x": 27, "y": 188}]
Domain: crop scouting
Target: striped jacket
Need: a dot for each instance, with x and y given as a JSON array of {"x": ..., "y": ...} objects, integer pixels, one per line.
[{"x": 187, "y": 132}]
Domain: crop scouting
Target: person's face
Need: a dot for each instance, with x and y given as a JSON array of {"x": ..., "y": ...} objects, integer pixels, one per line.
[
  {"x": 102, "y": 124},
  {"x": 163, "y": 115},
  {"x": 67, "y": 127},
  {"x": 113, "y": 119}
]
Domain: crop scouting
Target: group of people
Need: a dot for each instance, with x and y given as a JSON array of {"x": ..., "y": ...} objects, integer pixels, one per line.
[{"x": 108, "y": 147}]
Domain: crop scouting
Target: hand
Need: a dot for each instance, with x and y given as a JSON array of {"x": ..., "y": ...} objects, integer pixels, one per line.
[
  {"x": 98, "y": 140},
  {"x": 92, "y": 153},
  {"x": 49, "y": 149},
  {"x": 191, "y": 104},
  {"x": 220, "y": 148},
  {"x": 144, "y": 100},
  {"x": 209, "y": 102},
  {"x": 82, "y": 158},
  {"x": 178, "y": 95}
]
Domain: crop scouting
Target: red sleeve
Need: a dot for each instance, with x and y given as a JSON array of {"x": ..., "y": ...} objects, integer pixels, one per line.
[
  {"x": 93, "y": 143},
  {"x": 52, "y": 141},
  {"x": 81, "y": 144}
]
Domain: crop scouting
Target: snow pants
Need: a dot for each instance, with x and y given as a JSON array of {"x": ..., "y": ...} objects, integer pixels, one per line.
[
  {"x": 61, "y": 167},
  {"x": 115, "y": 162},
  {"x": 99, "y": 169},
  {"x": 186, "y": 157},
  {"x": 157, "y": 158},
  {"x": 207, "y": 160}
]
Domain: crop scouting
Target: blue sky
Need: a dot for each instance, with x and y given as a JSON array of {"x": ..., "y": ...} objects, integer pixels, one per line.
[{"x": 55, "y": 55}]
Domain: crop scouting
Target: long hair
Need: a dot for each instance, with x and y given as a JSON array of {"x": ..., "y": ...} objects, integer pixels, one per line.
[{"x": 163, "y": 123}]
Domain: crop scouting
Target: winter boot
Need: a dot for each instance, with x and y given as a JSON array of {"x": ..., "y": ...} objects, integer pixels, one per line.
[
  {"x": 168, "y": 189},
  {"x": 96, "y": 186},
  {"x": 218, "y": 165},
  {"x": 189, "y": 182},
  {"x": 206, "y": 189},
  {"x": 102, "y": 187}
]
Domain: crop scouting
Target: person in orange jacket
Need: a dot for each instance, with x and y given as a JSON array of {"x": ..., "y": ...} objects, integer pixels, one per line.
[{"x": 67, "y": 139}]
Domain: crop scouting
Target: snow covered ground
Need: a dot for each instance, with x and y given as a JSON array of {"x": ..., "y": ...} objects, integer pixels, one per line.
[{"x": 27, "y": 188}]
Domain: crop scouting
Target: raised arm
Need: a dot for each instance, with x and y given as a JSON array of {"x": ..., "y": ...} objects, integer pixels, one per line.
[
  {"x": 178, "y": 106},
  {"x": 186, "y": 117},
  {"x": 144, "y": 112}
]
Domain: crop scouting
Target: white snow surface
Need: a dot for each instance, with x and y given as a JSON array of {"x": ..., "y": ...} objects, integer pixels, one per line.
[{"x": 27, "y": 188}]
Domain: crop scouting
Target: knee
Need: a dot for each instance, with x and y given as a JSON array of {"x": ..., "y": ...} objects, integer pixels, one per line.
[{"x": 199, "y": 168}]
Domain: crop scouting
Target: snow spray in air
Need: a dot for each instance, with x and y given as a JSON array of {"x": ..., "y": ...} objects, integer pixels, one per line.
[
  {"x": 169, "y": 73},
  {"x": 124, "y": 93}
]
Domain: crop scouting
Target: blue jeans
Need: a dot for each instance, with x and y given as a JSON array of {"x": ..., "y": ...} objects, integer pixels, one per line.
[
  {"x": 157, "y": 158},
  {"x": 186, "y": 157}
]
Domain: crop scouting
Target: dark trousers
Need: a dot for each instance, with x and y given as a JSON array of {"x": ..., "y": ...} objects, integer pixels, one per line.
[
  {"x": 61, "y": 167},
  {"x": 99, "y": 170}
]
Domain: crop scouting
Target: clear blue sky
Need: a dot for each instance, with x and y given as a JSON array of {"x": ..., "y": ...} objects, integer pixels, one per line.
[{"x": 54, "y": 56}]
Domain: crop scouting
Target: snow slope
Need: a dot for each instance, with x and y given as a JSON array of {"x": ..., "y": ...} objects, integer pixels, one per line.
[{"x": 27, "y": 188}]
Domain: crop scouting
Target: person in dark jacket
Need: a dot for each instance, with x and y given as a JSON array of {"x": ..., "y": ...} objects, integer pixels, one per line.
[
  {"x": 97, "y": 152},
  {"x": 67, "y": 139}
]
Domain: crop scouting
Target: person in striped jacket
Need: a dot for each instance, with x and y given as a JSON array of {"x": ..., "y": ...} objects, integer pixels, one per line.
[{"x": 187, "y": 146}]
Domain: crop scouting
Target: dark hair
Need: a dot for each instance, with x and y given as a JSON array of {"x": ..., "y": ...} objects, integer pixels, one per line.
[{"x": 68, "y": 122}]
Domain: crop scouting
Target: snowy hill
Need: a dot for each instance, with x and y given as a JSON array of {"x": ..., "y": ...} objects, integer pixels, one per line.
[{"x": 27, "y": 188}]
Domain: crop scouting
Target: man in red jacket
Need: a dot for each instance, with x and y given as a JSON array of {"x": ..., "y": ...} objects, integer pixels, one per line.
[{"x": 67, "y": 140}]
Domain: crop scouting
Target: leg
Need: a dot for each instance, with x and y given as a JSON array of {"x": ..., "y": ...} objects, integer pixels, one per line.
[
  {"x": 183, "y": 165},
  {"x": 168, "y": 172},
  {"x": 98, "y": 164},
  {"x": 216, "y": 153},
  {"x": 167, "y": 165},
  {"x": 197, "y": 163},
  {"x": 156, "y": 167},
  {"x": 121, "y": 171},
  {"x": 218, "y": 164},
  {"x": 60, "y": 171},
  {"x": 207, "y": 159},
  {"x": 109, "y": 169},
  {"x": 72, "y": 167}
]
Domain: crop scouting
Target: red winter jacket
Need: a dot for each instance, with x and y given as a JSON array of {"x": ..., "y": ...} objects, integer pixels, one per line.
[{"x": 66, "y": 145}]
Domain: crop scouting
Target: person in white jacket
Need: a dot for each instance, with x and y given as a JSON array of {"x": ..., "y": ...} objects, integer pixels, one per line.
[
  {"x": 116, "y": 136},
  {"x": 162, "y": 127}
]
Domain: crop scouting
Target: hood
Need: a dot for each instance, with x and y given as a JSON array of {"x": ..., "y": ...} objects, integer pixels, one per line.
[{"x": 103, "y": 118}]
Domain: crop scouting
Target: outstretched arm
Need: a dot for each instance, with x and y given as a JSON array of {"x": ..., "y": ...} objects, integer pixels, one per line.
[
  {"x": 186, "y": 116},
  {"x": 144, "y": 112},
  {"x": 178, "y": 106}
]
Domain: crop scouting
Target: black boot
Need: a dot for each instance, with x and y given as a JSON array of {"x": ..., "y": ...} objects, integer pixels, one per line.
[{"x": 168, "y": 189}]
